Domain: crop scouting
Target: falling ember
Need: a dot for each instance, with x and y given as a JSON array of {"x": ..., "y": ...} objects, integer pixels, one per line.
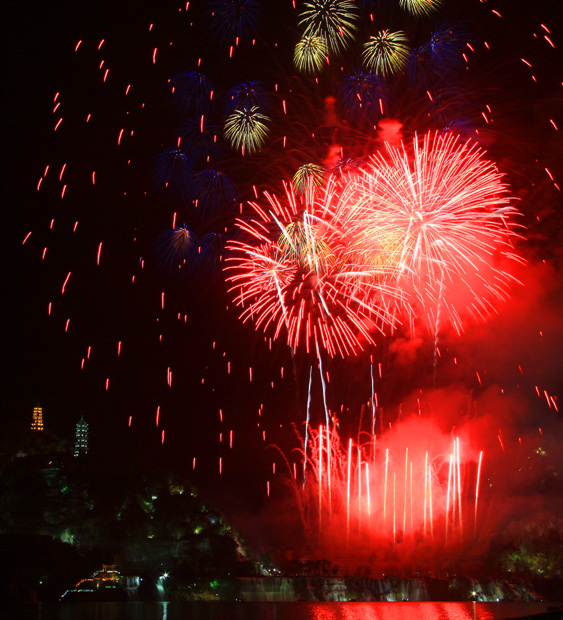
[{"x": 65, "y": 283}]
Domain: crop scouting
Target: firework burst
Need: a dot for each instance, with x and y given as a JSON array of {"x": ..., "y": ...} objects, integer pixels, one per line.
[
  {"x": 178, "y": 248},
  {"x": 234, "y": 20},
  {"x": 417, "y": 233},
  {"x": 308, "y": 176},
  {"x": 420, "y": 7},
  {"x": 362, "y": 96},
  {"x": 300, "y": 275},
  {"x": 200, "y": 140},
  {"x": 311, "y": 54},
  {"x": 386, "y": 53},
  {"x": 438, "y": 218},
  {"x": 173, "y": 171},
  {"x": 214, "y": 194},
  {"x": 333, "y": 20},
  {"x": 246, "y": 95},
  {"x": 191, "y": 92},
  {"x": 246, "y": 129}
]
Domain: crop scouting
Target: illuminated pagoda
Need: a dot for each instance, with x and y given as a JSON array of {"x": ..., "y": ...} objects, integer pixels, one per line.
[
  {"x": 81, "y": 437},
  {"x": 37, "y": 422}
]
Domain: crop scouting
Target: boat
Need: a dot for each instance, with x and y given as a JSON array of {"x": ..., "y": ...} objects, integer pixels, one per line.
[{"x": 105, "y": 585}]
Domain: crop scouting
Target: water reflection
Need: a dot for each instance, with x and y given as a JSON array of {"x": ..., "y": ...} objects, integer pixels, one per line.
[
  {"x": 281, "y": 611},
  {"x": 399, "y": 611}
]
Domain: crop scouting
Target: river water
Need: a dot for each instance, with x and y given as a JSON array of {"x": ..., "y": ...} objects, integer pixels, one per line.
[{"x": 282, "y": 611}]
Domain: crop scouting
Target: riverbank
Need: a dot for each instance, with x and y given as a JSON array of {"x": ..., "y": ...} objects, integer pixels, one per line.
[{"x": 342, "y": 589}]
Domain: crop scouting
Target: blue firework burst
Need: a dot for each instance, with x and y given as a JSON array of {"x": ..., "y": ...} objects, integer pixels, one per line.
[
  {"x": 246, "y": 95},
  {"x": 214, "y": 196},
  {"x": 234, "y": 21},
  {"x": 420, "y": 69},
  {"x": 192, "y": 92},
  {"x": 362, "y": 96},
  {"x": 173, "y": 171},
  {"x": 211, "y": 255},
  {"x": 439, "y": 61},
  {"x": 447, "y": 45},
  {"x": 347, "y": 165},
  {"x": 201, "y": 140}
]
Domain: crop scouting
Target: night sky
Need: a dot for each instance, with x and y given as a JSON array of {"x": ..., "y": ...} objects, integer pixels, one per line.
[{"x": 125, "y": 213}]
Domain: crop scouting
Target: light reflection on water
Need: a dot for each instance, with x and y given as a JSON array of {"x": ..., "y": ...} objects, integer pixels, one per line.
[{"x": 281, "y": 611}]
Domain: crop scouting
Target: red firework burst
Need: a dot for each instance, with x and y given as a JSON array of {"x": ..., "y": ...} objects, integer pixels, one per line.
[
  {"x": 297, "y": 274},
  {"x": 417, "y": 234},
  {"x": 438, "y": 218}
]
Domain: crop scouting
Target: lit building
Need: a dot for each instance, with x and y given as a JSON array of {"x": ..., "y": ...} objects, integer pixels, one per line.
[
  {"x": 81, "y": 437},
  {"x": 37, "y": 423}
]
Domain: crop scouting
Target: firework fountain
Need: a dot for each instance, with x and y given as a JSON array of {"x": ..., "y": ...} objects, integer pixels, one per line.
[{"x": 412, "y": 492}]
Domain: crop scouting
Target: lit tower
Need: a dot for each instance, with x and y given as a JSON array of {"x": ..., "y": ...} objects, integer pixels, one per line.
[
  {"x": 37, "y": 423},
  {"x": 81, "y": 437}
]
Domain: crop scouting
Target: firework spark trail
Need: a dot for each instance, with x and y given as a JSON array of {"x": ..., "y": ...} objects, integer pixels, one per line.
[{"x": 307, "y": 427}]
